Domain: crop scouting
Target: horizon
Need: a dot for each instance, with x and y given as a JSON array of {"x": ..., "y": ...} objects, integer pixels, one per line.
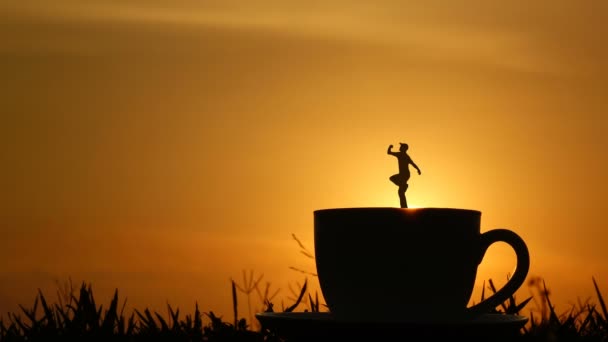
[{"x": 162, "y": 148}]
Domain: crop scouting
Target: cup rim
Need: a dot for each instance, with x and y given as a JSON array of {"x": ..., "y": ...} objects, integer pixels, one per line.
[{"x": 408, "y": 210}]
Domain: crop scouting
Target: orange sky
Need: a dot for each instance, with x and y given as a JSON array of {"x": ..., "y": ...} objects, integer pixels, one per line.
[{"x": 161, "y": 147}]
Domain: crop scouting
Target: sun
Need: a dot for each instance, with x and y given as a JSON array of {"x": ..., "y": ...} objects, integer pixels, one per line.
[{"x": 392, "y": 200}]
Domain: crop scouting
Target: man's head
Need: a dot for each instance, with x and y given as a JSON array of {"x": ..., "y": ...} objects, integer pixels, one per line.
[{"x": 403, "y": 147}]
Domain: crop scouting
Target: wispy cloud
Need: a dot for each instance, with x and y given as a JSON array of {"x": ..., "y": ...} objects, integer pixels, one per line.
[{"x": 447, "y": 32}]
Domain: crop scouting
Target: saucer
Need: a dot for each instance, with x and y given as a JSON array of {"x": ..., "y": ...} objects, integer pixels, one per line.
[{"x": 297, "y": 326}]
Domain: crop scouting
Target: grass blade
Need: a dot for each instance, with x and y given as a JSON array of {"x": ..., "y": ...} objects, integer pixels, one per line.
[
  {"x": 234, "y": 304},
  {"x": 521, "y": 305},
  {"x": 300, "y": 297},
  {"x": 601, "y": 299}
]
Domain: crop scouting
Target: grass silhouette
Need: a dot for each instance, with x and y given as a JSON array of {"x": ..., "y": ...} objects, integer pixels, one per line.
[
  {"x": 76, "y": 316},
  {"x": 81, "y": 319}
]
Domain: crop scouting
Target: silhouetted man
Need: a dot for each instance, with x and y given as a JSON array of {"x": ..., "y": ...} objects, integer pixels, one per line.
[{"x": 403, "y": 176}]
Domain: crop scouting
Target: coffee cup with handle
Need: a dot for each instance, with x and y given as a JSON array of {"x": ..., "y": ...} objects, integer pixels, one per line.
[{"x": 399, "y": 264}]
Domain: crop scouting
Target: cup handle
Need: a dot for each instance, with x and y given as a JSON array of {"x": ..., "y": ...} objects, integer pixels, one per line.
[{"x": 521, "y": 269}]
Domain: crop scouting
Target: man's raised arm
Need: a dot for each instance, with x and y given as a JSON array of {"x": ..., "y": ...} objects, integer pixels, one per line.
[{"x": 416, "y": 167}]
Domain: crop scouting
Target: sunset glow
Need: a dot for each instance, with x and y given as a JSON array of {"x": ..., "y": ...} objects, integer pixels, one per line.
[{"x": 163, "y": 147}]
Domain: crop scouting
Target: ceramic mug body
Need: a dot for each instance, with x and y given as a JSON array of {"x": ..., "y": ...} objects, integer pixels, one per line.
[{"x": 394, "y": 264}]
